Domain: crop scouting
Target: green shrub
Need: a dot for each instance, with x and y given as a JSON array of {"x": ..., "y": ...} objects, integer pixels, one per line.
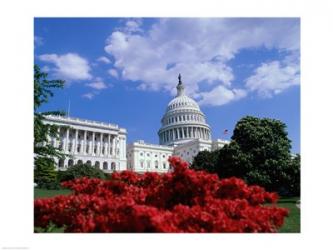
[{"x": 80, "y": 170}]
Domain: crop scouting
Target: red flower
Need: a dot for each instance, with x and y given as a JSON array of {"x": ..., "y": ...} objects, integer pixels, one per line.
[{"x": 183, "y": 200}]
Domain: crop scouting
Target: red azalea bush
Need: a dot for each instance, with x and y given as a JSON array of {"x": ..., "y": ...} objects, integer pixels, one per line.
[{"x": 183, "y": 200}]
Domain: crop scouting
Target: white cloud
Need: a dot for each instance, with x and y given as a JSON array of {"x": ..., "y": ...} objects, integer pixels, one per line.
[
  {"x": 133, "y": 25},
  {"x": 45, "y": 69},
  {"x": 199, "y": 49},
  {"x": 104, "y": 59},
  {"x": 69, "y": 66},
  {"x": 88, "y": 96},
  {"x": 113, "y": 73},
  {"x": 38, "y": 41},
  {"x": 220, "y": 95},
  {"x": 273, "y": 77},
  {"x": 98, "y": 84}
]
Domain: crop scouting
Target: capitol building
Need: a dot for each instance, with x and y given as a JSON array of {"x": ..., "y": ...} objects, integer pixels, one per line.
[{"x": 184, "y": 132}]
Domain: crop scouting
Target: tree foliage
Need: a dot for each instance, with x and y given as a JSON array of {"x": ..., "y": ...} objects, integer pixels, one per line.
[
  {"x": 205, "y": 160},
  {"x": 44, "y": 152},
  {"x": 260, "y": 153}
]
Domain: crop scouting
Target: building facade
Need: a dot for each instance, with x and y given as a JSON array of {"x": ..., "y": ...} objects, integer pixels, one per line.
[
  {"x": 98, "y": 144},
  {"x": 184, "y": 132},
  {"x": 144, "y": 157}
]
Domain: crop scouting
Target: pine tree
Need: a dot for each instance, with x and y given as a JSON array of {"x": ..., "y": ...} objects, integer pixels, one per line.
[{"x": 44, "y": 152}]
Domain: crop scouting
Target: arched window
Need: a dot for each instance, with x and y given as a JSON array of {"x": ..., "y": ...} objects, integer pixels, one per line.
[
  {"x": 148, "y": 164},
  {"x": 97, "y": 164},
  {"x": 164, "y": 165},
  {"x": 89, "y": 163},
  {"x": 61, "y": 163},
  {"x": 156, "y": 164},
  {"x": 105, "y": 165},
  {"x": 87, "y": 149},
  {"x": 113, "y": 166},
  {"x": 79, "y": 162},
  {"x": 141, "y": 164},
  {"x": 70, "y": 163}
]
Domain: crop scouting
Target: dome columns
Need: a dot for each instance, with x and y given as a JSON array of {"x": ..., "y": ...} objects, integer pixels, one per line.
[{"x": 171, "y": 135}]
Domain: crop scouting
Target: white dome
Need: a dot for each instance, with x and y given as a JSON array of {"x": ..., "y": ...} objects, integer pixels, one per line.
[
  {"x": 183, "y": 120},
  {"x": 182, "y": 102}
]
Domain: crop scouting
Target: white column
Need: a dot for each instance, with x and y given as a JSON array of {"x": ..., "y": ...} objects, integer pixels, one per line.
[
  {"x": 57, "y": 140},
  {"x": 108, "y": 145},
  {"x": 84, "y": 144},
  {"x": 76, "y": 141},
  {"x": 66, "y": 142},
  {"x": 100, "y": 144},
  {"x": 114, "y": 145},
  {"x": 93, "y": 143}
]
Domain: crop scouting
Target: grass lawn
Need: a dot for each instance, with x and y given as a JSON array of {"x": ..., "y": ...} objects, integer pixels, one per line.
[
  {"x": 292, "y": 223},
  {"x": 44, "y": 193}
]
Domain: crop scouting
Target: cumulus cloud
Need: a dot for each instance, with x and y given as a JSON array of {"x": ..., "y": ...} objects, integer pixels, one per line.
[
  {"x": 38, "y": 41},
  {"x": 200, "y": 49},
  {"x": 97, "y": 85},
  {"x": 69, "y": 66},
  {"x": 113, "y": 73},
  {"x": 220, "y": 95},
  {"x": 88, "y": 96},
  {"x": 104, "y": 59},
  {"x": 272, "y": 78},
  {"x": 133, "y": 25}
]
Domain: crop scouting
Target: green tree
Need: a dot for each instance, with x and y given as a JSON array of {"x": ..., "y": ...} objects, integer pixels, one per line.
[
  {"x": 44, "y": 152},
  {"x": 205, "y": 160},
  {"x": 259, "y": 152},
  {"x": 293, "y": 177}
]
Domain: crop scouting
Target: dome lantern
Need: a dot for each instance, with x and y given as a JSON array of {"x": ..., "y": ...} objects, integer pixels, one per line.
[{"x": 180, "y": 86}]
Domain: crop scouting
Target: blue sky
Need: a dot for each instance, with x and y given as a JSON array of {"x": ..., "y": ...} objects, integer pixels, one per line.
[{"x": 124, "y": 70}]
